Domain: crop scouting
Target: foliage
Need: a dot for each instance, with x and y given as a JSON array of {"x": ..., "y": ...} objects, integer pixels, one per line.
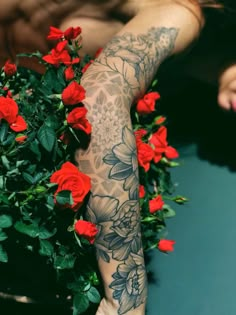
[{"x": 37, "y": 139}]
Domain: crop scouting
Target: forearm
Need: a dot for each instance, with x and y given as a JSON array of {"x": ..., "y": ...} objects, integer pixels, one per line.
[
  {"x": 122, "y": 72},
  {"x": 112, "y": 83},
  {"x": 111, "y": 163}
]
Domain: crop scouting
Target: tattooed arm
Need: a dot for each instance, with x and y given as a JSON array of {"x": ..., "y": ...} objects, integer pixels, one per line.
[{"x": 121, "y": 73}]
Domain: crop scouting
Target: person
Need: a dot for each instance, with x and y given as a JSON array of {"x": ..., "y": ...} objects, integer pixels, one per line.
[{"x": 138, "y": 36}]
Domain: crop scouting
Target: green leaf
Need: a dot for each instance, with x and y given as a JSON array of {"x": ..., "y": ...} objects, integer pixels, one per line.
[
  {"x": 45, "y": 234},
  {"x": 2, "y": 182},
  {"x": 31, "y": 230},
  {"x": 55, "y": 152},
  {"x": 64, "y": 197},
  {"x": 61, "y": 76},
  {"x": 20, "y": 163},
  {"x": 154, "y": 83},
  {"x": 29, "y": 55},
  {"x": 93, "y": 295},
  {"x": 52, "y": 122},
  {"x": 65, "y": 262},
  {"x": 47, "y": 137},
  {"x": 149, "y": 219},
  {"x": 3, "y": 236},
  {"x": 28, "y": 178},
  {"x": 51, "y": 79},
  {"x": 50, "y": 203},
  {"x": 80, "y": 303},
  {"x": 46, "y": 248},
  {"x": 75, "y": 286},
  {"x": 4, "y": 199},
  {"x": 3, "y": 130},
  {"x": 9, "y": 140},
  {"x": 168, "y": 212},
  {"x": 5, "y": 221},
  {"x": 31, "y": 168},
  {"x": 34, "y": 147},
  {"x": 5, "y": 162},
  {"x": 3, "y": 255},
  {"x": 87, "y": 287},
  {"x": 38, "y": 177},
  {"x": 63, "y": 250}
]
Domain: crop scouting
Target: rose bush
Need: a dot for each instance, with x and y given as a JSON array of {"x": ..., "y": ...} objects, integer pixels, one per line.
[{"x": 43, "y": 195}]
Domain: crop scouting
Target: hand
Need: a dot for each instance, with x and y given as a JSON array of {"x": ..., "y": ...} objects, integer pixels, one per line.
[{"x": 227, "y": 89}]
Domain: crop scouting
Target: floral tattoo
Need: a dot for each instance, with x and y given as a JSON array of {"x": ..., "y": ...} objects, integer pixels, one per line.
[{"x": 120, "y": 74}]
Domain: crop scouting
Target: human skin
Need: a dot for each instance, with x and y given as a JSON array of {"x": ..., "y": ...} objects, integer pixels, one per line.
[
  {"x": 155, "y": 31},
  {"x": 24, "y": 25},
  {"x": 121, "y": 74}
]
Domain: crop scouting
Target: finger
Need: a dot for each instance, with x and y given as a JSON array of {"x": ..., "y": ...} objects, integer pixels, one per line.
[
  {"x": 224, "y": 100},
  {"x": 233, "y": 103}
]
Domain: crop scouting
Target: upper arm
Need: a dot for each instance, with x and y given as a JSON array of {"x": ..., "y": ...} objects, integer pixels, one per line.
[
  {"x": 158, "y": 30},
  {"x": 184, "y": 15}
]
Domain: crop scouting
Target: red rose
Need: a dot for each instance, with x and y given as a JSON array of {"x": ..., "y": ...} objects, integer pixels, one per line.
[
  {"x": 7, "y": 92},
  {"x": 73, "y": 94},
  {"x": 86, "y": 229},
  {"x": 58, "y": 55},
  {"x": 70, "y": 178},
  {"x": 158, "y": 140},
  {"x": 86, "y": 66},
  {"x": 141, "y": 191},
  {"x": 156, "y": 204},
  {"x": 146, "y": 105},
  {"x": 77, "y": 120},
  {"x": 20, "y": 138},
  {"x": 171, "y": 153},
  {"x": 65, "y": 138},
  {"x": 166, "y": 245},
  {"x": 72, "y": 62},
  {"x": 9, "y": 68},
  {"x": 8, "y": 109},
  {"x": 69, "y": 73},
  {"x": 160, "y": 120},
  {"x": 70, "y": 33},
  {"x": 139, "y": 134},
  {"x": 54, "y": 33},
  {"x": 19, "y": 125},
  {"x": 145, "y": 155},
  {"x": 98, "y": 52}
]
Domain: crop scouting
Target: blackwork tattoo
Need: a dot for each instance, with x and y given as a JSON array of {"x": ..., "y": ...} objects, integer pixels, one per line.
[
  {"x": 123, "y": 235},
  {"x": 137, "y": 57},
  {"x": 124, "y": 163},
  {"x": 119, "y": 237},
  {"x": 129, "y": 283},
  {"x": 120, "y": 74}
]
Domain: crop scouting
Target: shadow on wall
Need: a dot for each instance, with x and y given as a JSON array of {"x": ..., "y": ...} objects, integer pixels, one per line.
[{"x": 195, "y": 117}]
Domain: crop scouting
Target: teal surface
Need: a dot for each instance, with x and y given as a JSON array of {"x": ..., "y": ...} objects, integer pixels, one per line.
[{"x": 199, "y": 277}]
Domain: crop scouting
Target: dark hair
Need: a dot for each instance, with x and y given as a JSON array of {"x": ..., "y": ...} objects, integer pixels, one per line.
[{"x": 211, "y": 4}]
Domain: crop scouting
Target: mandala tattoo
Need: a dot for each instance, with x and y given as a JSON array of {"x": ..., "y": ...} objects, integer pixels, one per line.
[{"x": 121, "y": 73}]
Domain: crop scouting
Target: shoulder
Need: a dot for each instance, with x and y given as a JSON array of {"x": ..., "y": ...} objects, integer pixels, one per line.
[{"x": 187, "y": 7}]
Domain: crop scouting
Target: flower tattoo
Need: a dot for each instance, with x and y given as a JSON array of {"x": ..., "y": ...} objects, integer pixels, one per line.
[
  {"x": 124, "y": 163},
  {"x": 129, "y": 284}
]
